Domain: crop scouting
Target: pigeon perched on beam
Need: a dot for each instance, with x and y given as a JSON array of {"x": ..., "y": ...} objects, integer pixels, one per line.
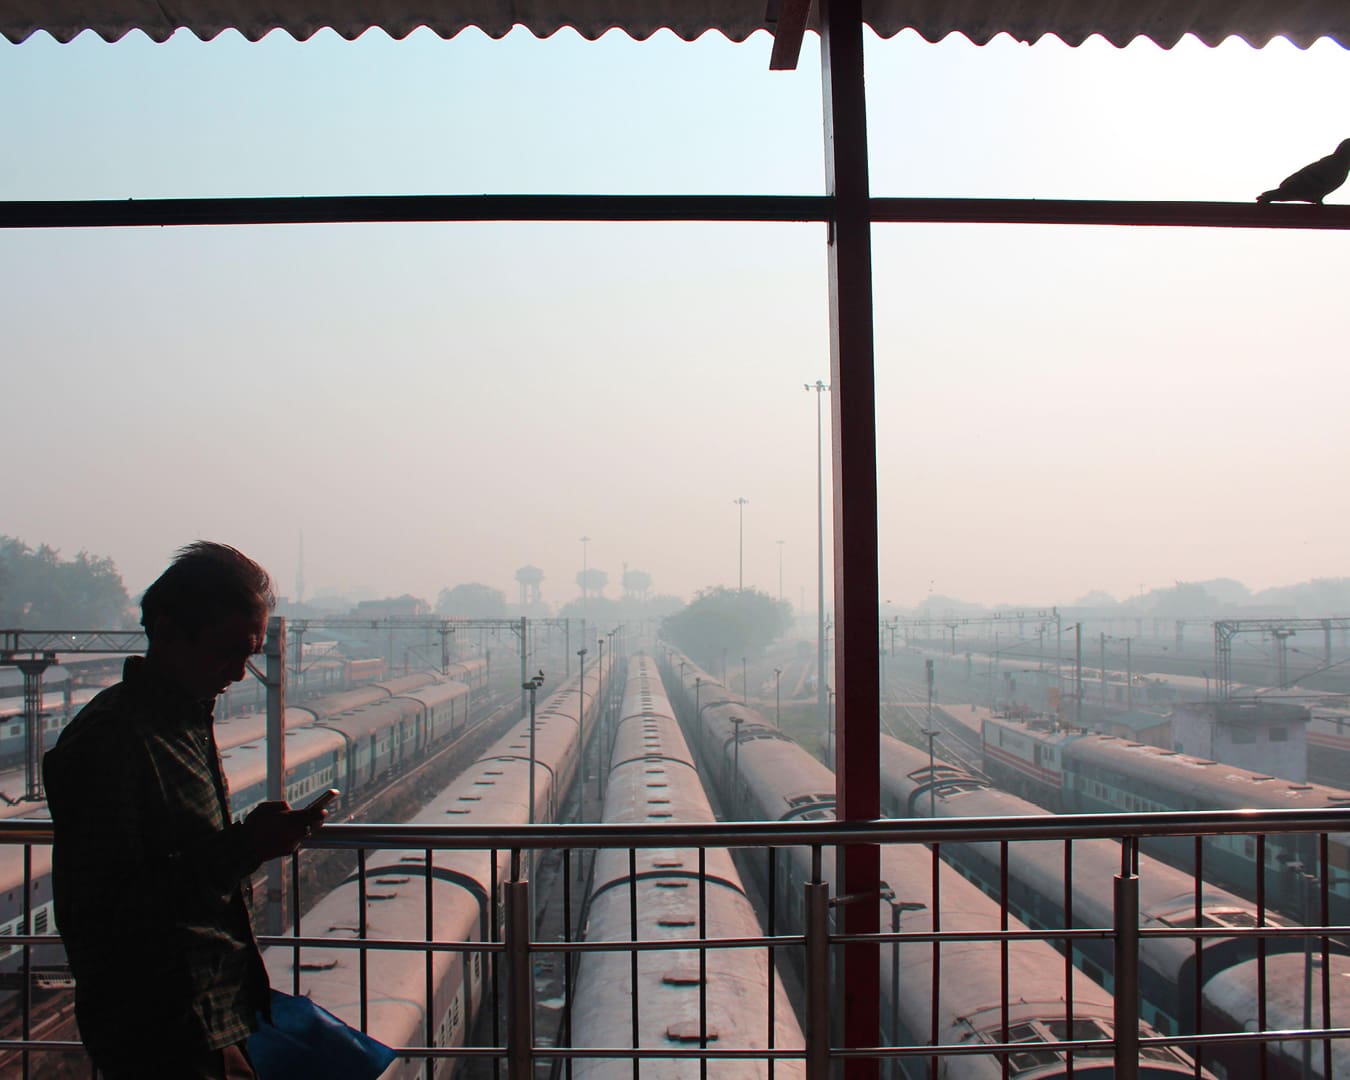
[{"x": 1314, "y": 182}]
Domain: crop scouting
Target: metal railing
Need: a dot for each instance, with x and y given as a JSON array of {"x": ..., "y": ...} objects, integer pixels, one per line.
[{"x": 509, "y": 948}]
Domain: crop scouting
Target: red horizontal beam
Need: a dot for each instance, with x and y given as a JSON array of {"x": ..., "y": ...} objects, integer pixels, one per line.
[{"x": 340, "y": 209}]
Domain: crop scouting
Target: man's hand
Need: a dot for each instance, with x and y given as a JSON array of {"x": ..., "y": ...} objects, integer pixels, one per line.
[{"x": 274, "y": 829}]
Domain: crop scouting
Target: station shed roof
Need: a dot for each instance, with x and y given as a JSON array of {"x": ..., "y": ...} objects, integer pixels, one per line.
[{"x": 1164, "y": 22}]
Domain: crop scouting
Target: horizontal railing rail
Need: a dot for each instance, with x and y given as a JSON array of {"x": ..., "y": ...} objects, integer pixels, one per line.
[{"x": 724, "y": 834}]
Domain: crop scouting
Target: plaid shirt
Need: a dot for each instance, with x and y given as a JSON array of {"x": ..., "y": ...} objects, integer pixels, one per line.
[{"x": 147, "y": 872}]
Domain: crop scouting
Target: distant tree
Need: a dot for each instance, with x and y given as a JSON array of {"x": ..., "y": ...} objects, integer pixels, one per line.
[
  {"x": 1185, "y": 598},
  {"x": 721, "y": 620},
  {"x": 592, "y": 581},
  {"x": 40, "y": 590},
  {"x": 471, "y": 599},
  {"x": 597, "y": 610}
]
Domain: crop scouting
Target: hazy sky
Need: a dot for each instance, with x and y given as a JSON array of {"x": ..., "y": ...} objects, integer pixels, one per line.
[{"x": 1059, "y": 409}]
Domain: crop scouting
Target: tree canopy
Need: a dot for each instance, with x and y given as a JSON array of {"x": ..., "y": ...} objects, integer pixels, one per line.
[
  {"x": 471, "y": 599},
  {"x": 721, "y": 620},
  {"x": 41, "y": 591}
]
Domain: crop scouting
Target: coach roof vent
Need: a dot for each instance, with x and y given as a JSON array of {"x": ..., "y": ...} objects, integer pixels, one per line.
[{"x": 685, "y": 1031}]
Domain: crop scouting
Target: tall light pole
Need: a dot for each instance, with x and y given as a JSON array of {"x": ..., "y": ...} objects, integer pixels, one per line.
[
  {"x": 581, "y": 715},
  {"x": 745, "y": 684},
  {"x": 777, "y": 698},
  {"x": 736, "y": 723},
  {"x": 821, "y": 702},
  {"x": 585, "y": 582},
  {"x": 740, "y": 547},
  {"x": 532, "y": 685},
  {"x": 780, "y": 571}
]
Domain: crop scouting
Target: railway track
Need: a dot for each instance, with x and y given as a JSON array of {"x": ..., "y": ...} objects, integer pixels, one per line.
[{"x": 904, "y": 713}]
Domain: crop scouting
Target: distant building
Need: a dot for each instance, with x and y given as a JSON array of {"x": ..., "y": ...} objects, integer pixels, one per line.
[
  {"x": 1263, "y": 736},
  {"x": 1140, "y": 727},
  {"x": 393, "y": 606}
]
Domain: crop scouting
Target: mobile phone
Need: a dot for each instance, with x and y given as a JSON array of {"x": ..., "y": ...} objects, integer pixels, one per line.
[{"x": 321, "y": 800}]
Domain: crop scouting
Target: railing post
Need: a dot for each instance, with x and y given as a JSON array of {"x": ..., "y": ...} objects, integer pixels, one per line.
[
  {"x": 519, "y": 981},
  {"x": 1127, "y": 972},
  {"x": 817, "y": 1034}
]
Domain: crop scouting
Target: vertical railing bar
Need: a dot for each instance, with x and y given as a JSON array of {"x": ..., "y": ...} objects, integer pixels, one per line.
[
  {"x": 773, "y": 929},
  {"x": 703, "y": 959},
  {"x": 520, "y": 1017},
  {"x": 361, "y": 966},
  {"x": 494, "y": 935},
  {"x": 1126, "y": 968},
  {"x": 1262, "y": 1050},
  {"x": 26, "y": 973},
  {"x": 569, "y": 959},
  {"x": 816, "y": 905},
  {"x": 633, "y": 954},
  {"x": 1197, "y": 992},
  {"x": 295, "y": 922},
  {"x": 1068, "y": 950},
  {"x": 465, "y": 962},
  {"x": 1324, "y": 889},
  {"x": 1004, "y": 1020},
  {"x": 936, "y": 996}
]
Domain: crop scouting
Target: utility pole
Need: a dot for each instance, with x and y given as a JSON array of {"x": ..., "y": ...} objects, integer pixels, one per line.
[
  {"x": 1103, "y": 661},
  {"x": 1078, "y": 674},
  {"x": 1129, "y": 675}
]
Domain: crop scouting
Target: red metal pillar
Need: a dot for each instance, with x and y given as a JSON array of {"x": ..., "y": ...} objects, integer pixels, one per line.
[{"x": 853, "y": 405}]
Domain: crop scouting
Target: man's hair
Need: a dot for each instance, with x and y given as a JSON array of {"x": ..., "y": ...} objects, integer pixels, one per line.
[{"x": 205, "y": 583}]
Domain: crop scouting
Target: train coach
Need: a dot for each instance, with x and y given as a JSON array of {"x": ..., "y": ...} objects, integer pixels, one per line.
[
  {"x": 411, "y": 997},
  {"x": 1086, "y": 773},
  {"x": 447, "y": 701},
  {"x": 1182, "y": 991},
  {"x": 774, "y": 779},
  {"x": 666, "y": 894}
]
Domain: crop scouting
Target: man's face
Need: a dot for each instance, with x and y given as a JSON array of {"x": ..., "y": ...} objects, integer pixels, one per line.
[{"x": 207, "y": 664}]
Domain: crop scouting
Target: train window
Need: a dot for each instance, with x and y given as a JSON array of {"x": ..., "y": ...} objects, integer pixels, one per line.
[
  {"x": 1081, "y": 1031},
  {"x": 659, "y": 814}
]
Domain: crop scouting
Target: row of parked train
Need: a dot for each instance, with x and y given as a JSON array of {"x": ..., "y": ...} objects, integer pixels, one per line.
[
  {"x": 1186, "y": 985},
  {"x": 452, "y": 897},
  {"x": 764, "y": 775},
  {"x": 684, "y": 998},
  {"x": 69, "y": 686},
  {"x": 1081, "y": 772},
  {"x": 354, "y": 741}
]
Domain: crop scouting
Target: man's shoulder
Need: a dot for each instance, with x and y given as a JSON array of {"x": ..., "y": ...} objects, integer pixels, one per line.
[{"x": 107, "y": 725}]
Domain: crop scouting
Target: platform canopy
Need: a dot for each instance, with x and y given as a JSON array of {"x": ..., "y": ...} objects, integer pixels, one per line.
[{"x": 1073, "y": 21}]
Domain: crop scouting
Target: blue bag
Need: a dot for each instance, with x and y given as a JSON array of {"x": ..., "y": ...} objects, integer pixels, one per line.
[{"x": 304, "y": 1042}]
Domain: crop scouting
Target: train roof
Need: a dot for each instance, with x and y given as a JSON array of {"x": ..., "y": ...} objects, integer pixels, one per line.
[{"x": 1208, "y": 784}]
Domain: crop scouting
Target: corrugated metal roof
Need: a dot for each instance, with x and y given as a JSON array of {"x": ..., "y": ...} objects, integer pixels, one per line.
[{"x": 1119, "y": 21}]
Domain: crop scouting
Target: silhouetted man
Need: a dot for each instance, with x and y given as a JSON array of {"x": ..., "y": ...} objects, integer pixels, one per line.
[{"x": 149, "y": 875}]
